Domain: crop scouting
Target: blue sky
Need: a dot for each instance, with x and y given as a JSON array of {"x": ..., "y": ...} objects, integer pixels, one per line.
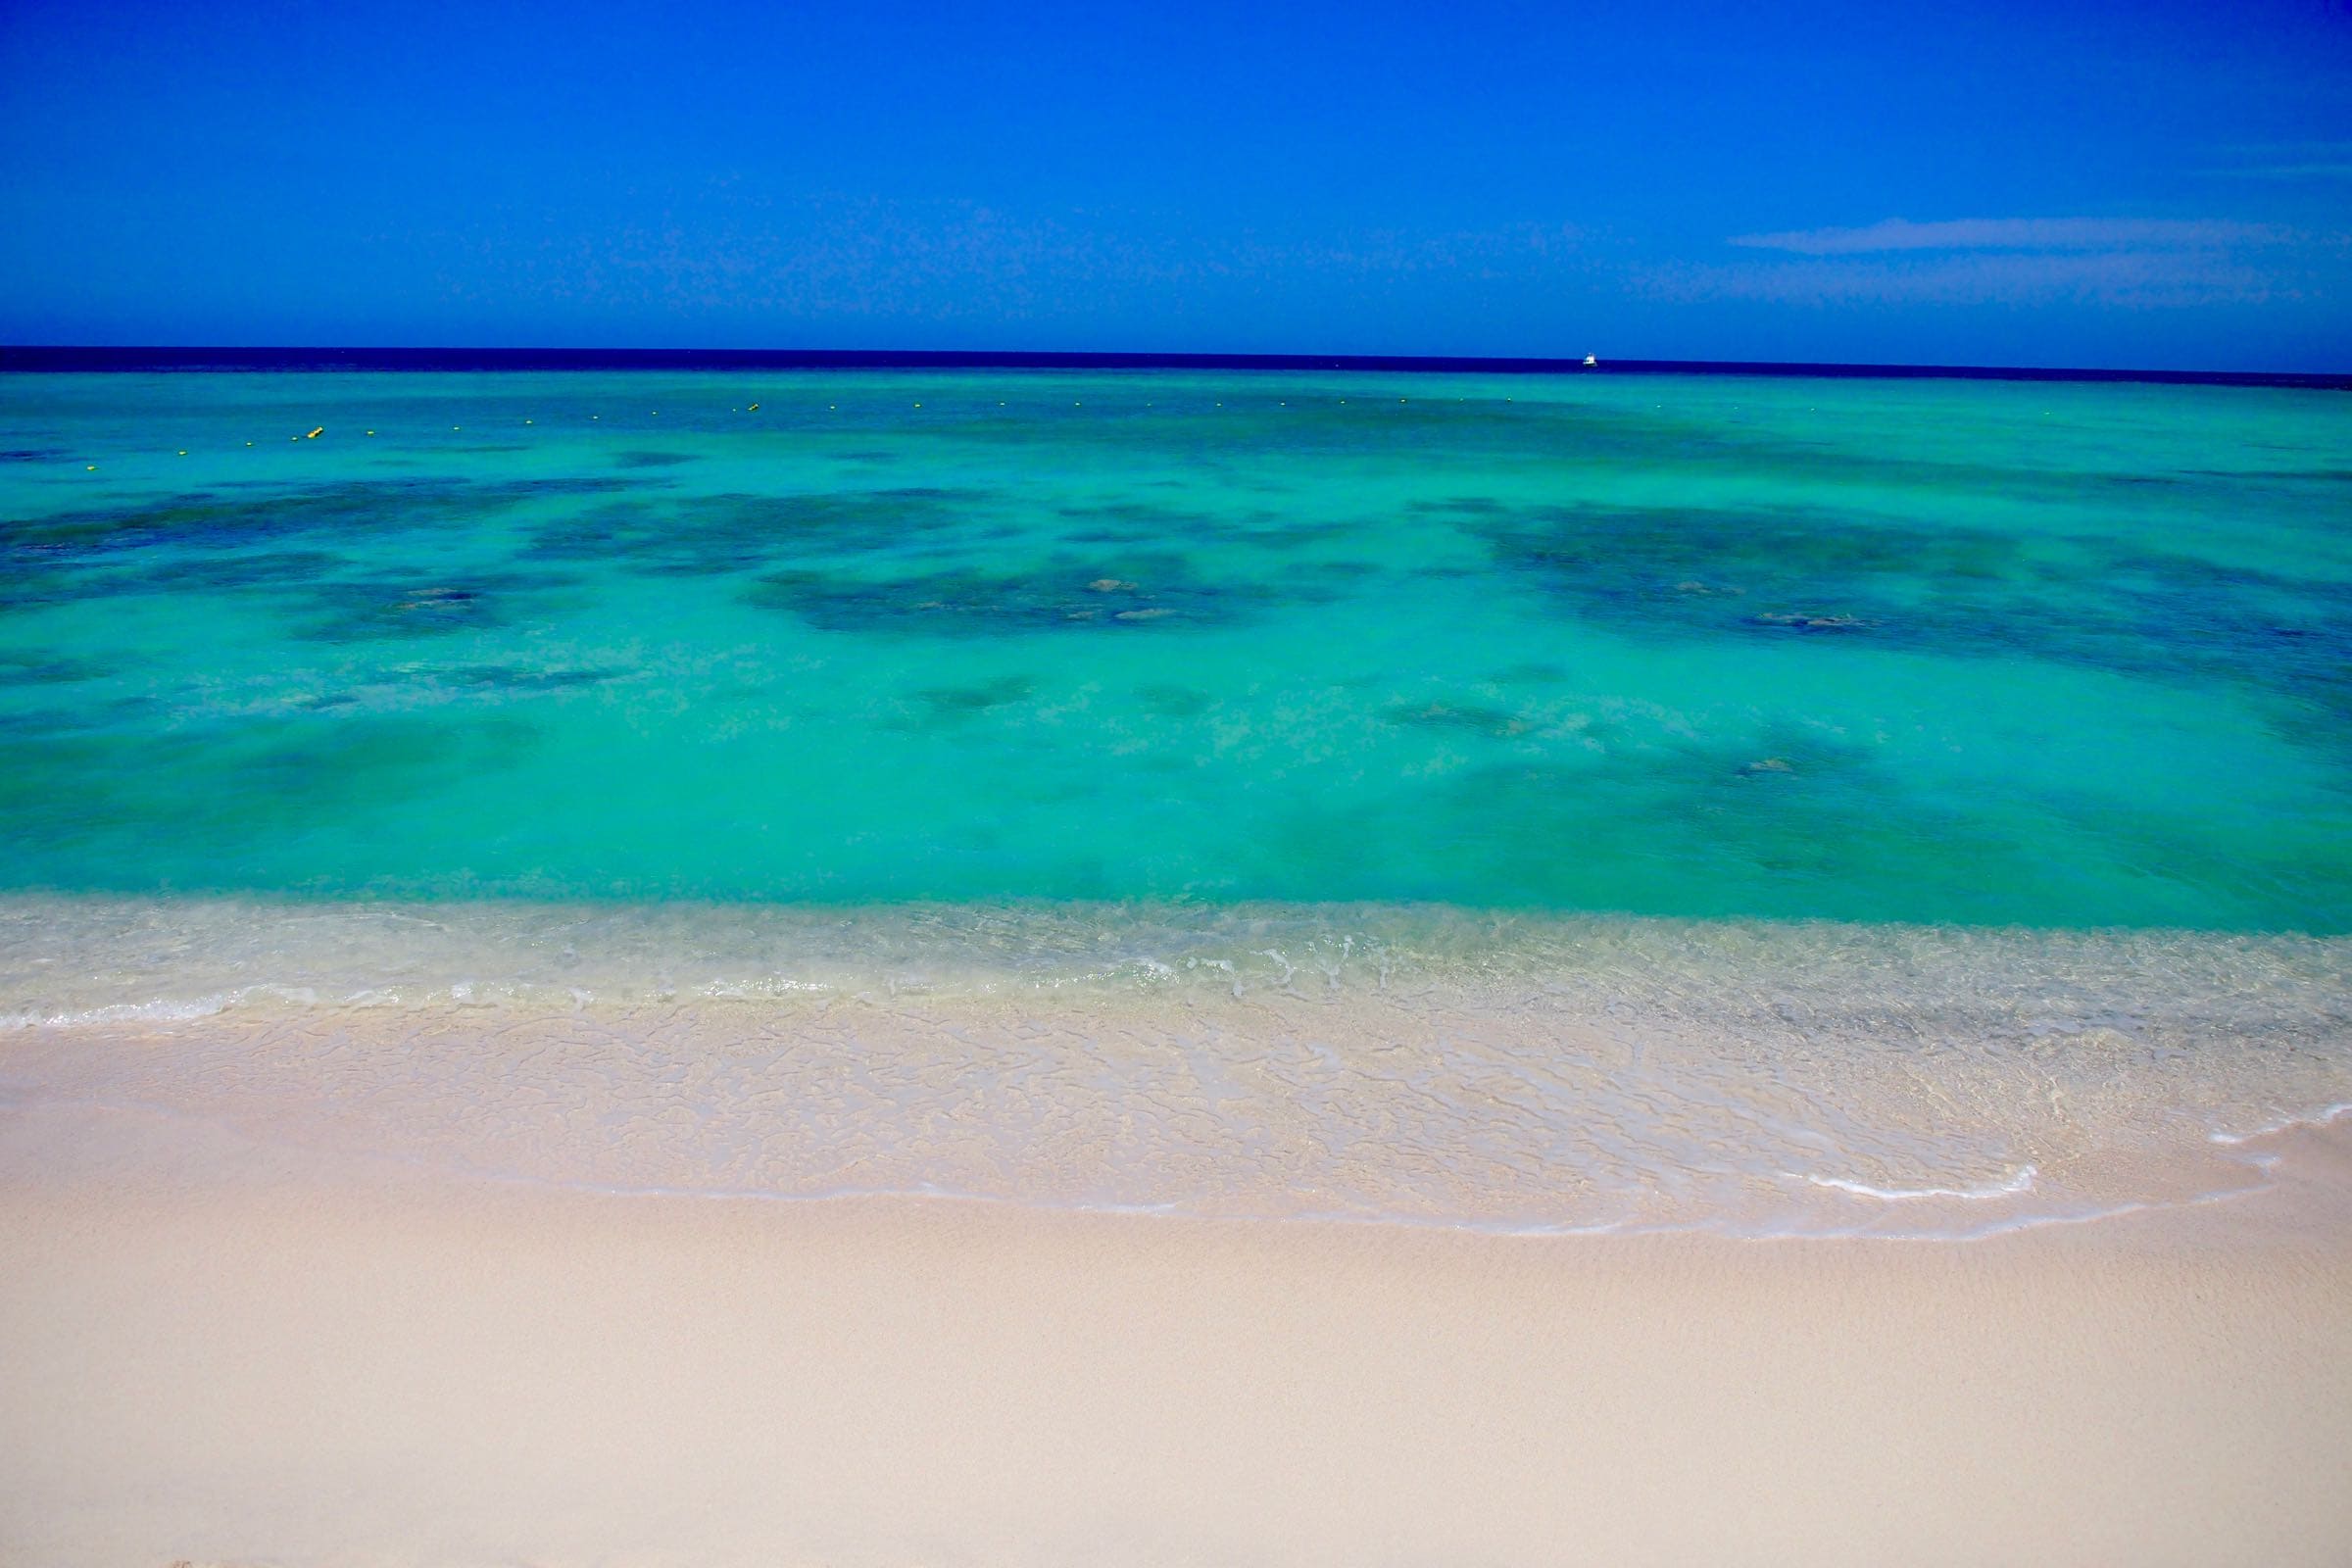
[{"x": 2158, "y": 184}]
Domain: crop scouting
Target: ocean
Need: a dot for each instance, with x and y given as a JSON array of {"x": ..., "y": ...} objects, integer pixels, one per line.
[{"x": 1553, "y": 802}]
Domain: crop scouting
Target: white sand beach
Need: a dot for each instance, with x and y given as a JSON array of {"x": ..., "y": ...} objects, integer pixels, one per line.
[{"x": 221, "y": 1351}]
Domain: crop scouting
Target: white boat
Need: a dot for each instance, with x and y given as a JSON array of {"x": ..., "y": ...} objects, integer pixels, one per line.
[{"x": 1592, "y": 362}]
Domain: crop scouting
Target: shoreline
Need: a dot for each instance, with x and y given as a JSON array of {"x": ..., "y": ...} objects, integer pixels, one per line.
[
  {"x": 235, "y": 1352},
  {"x": 311, "y": 1282},
  {"x": 1865, "y": 1097},
  {"x": 2258, "y": 1156}
]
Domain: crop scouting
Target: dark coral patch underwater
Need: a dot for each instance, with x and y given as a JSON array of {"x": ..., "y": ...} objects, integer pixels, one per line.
[
  {"x": 375, "y": 609},
  {"x": 694, "y": 536},
  {"x": 514, "y": 678},
  {"x": 1930, "y": 588},
  {"x": 948, "y": 703},
  {"x": 235, "y": 788},
  {"x": 18, "y": 667},
  {"x": 221, "y": 521},
  {"x": 1121, "y": 594},
  {"x": 209, "y": 540}
]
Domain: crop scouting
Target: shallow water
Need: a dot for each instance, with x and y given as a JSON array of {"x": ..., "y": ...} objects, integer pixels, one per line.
[
  {"x": 1268, "y": 1060},
  {"x": 1546, "y": 801},
  {"x": 2061, "y": 656}
]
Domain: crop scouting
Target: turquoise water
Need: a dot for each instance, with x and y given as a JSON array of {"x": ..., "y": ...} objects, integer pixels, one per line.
[
  {"x": 1969, "y": 652},
  {"x": 1607, "y": 802}
]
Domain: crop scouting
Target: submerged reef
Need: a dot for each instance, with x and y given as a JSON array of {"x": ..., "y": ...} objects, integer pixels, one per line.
[
  {"x": 1930, "y": 587},
  {"x": 1126, "y": 593},
  {"x": 714, "y": 535}
]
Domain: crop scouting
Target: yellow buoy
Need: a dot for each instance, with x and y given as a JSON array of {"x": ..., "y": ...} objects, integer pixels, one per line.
[{"x": 316, "y": 435}]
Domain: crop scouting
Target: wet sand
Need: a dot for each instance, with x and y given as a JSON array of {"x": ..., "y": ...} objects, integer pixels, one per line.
[{"x": 224, "y": 1351}]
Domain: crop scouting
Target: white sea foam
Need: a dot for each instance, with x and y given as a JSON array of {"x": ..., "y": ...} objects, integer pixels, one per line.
[
  {"x": 119, "y": 1013},
  {"x": 2319, "y": 1116},
  {"x": 2020, "y": 1181}
]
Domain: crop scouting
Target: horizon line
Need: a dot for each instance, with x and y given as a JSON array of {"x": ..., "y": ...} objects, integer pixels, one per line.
[{"x": 21, "y": 356}]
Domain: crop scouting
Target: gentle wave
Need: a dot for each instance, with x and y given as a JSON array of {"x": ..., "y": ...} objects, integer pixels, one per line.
[
  {"x": 67, "y": 956},
  {"x": 2020, "y": 1182},
  {"x": 1390, "y": 1063}
]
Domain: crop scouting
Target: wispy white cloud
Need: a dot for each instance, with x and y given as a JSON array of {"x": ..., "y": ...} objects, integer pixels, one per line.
[
  {"x": 2288, "y": 171},
  {"x": 720, "y": 247},
  {"x": 2129, "y": 279},
  {"x": 2293, "y": 162},
  {"x": 2015, "y": 235},
  {"x": 2128, "y": 263}
]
